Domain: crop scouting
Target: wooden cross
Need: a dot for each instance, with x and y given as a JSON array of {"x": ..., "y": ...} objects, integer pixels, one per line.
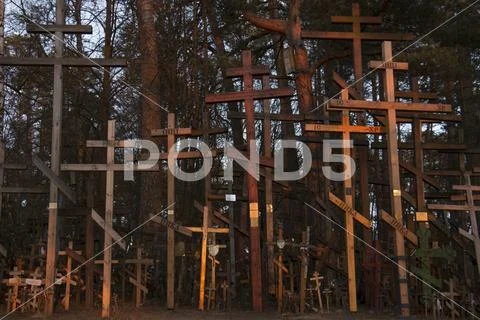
[
  {"x": 59, "y": 29},
  {"x": 35, "y": 282},
  {"x": 14, "y": 282},
  {"x": 205, "y": 230},
  {"x": 106, "y": 223},
  {"x": 171, "y": 132},
  {"x": 391, "y": 107},
  {"x": 68, "y": 278},
  {"x": 317, "y": 279},
  {"x": 247, "y": 72},
  {"x": 281, "y": 269},
  {"x": 357, "y": 36},
  {"x": 471, "y": 208}
]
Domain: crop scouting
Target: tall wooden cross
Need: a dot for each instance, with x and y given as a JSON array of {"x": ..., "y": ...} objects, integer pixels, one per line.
[
  {"x": 171, "y": 132},
  {"x": 59, "y": 29},
  {"x": 357, "y": 36},
  {"x": 247, "y": 72},
  {"x": 110, "y": 168},
  {"x": 346, "y": 129},
  {"x": 391, "y": 107}
]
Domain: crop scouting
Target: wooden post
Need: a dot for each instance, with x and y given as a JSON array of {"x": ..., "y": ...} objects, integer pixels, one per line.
[
  {"x": 248, "y": 95},
  {"x": 138, "y": 272},
  {"x": 55, "y": 160},
  {"x": 281, "y": 269},
  {"x": 269, "y": 221},
  {"x": 203, "y": 258},
  {"x": 109, "y": 189},
  {"x": 68, "y": 279}
]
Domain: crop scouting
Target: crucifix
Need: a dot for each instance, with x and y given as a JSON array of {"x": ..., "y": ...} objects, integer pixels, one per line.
[
  {"x": 346, "y": 129},
  {"x": 391, "y": 107},
  {"x": 357, "y": 36},
  {"x": 106, "y": 223},
  {"x": 247, "y": 72},
  {"x": 59, "y": 29}
]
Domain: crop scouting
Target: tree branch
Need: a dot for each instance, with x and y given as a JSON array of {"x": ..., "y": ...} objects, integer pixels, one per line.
[{"x": 272, "y": 25}]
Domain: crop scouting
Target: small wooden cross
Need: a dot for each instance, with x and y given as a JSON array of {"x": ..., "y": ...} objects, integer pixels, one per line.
[
  {"x": 205, "y": 230},
  {"x": 14, "y": 282},
  {"x": 317, "y": 279}
]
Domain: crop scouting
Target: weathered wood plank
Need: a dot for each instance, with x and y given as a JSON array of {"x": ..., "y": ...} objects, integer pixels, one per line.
[
  {"x": 386, "y": 105},
  {"x": 101, "y": 222},
  {"x": 67, "y": 62},
  {"x": 54, "y": 178},
  {"x": 349, "y": 210},
  {"x": 224, "y": 97},
  {"x": 398, "y": 225},
  {"x": 52, "y": 28}
]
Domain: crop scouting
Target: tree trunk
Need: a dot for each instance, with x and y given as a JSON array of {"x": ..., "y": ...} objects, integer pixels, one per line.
[{"x": 151, "y": 112}]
